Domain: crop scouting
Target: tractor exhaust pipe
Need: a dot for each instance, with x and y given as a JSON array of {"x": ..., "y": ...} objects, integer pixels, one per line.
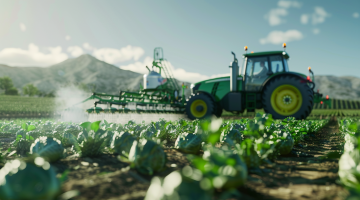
[{"x": 234, "y": 73}]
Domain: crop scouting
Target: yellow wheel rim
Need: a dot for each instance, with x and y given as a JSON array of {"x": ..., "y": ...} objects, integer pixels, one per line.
[
  {"x": 286, "y": 100},
  {"x": 196, "y": 113}
]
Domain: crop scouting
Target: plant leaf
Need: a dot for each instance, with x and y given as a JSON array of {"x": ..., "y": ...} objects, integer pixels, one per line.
[
  {"x": 86, "y": 126},
  {"x": 24, "y": 126},
  {"x": 95, "y": 126},
  {"x": 31, "y": 127}
]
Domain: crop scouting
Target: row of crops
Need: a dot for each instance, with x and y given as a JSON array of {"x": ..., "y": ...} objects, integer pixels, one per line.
[
  {"x": 349, "y": 163},
  {"x": 15, "y": 105},
  {"x": 221, "y": 153},
  {"x": 334, "y": 112},
  {"x": 339, "y": 104}
]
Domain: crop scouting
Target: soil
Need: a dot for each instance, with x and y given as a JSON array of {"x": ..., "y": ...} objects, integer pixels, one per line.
[{"x": 304, "y": 174}]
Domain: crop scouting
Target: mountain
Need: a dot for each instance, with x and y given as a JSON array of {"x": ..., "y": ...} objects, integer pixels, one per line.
[
  {"x": 84, "y": 69},
  {"x": 346, "y": 87}
]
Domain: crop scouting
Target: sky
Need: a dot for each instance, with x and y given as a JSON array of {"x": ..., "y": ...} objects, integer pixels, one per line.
[{"x": 197, "y": 36}]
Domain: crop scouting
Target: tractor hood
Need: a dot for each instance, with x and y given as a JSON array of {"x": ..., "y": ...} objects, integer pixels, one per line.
[
  {"x": 228, "y": 77},
  {"x": 214, "y": 79}
]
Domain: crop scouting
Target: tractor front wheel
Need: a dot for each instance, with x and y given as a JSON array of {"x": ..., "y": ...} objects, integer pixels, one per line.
[
  {"x": 287, "y": 96},
  {"x": 199, "y": 106}
]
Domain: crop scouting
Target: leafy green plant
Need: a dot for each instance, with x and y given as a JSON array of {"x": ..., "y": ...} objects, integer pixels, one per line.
[
  {"x": 188, "y": 143},
  {"x": 147, "y": 156},
  {"x": 186, "y": 184},
  {"x": 28, "y": 179},
  {"x": 122, "y": 143},
  {"x": 48, "y": 148},
  {"x": 247, "y": 151},
  {"x": 222, "y": 167},
  {"x": 91, "y": 141}
]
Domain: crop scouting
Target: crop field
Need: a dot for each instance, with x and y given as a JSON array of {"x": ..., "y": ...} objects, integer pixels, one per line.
[
  {"x": 257, "y": 158},
  {"x": 21, "y": 106},
  {"x": 33, "y": 107}
]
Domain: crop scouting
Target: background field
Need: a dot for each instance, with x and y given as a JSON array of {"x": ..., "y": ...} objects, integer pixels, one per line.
[{"x": 21, "y": 106}]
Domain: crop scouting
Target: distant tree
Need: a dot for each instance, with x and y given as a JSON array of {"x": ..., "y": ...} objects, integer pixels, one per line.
[
  {"x": 30, "y": 90},
  {"x": 7, "y": 85},
  {"x": 12, "y": 91},
  {"x": 50, "y": 94}
]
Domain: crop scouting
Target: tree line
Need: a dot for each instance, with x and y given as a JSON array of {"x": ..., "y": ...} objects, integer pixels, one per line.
[{"x": 7, "y": 85}]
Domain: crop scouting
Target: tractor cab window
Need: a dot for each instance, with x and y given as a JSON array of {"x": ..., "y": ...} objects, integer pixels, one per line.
[
  {"x": 286, "y": 65},
  {"x": 277, "y": 64},
  {"x": 257, "y": 71}
]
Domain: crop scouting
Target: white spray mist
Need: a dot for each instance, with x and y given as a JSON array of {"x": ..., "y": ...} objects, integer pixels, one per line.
[{"x": 68, "y": 97}]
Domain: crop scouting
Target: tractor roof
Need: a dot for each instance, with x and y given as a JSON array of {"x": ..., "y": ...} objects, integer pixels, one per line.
[{"x": 267, "y": 53}]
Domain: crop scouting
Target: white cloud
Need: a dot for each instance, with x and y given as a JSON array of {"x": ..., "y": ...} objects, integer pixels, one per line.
[
  {"x": 178, "y": 73},
  {"x": 316, "y": 31},
  {"x": 32, "y": 56},
  {"x": 304, "y": 18},
  {"x": 67, "y": 37},
  {"x": 278, "y": 37},
  {"x": 274, "y": 16},
  {"x": 22, "y": 27},
  {"x": 113, "y": 56},
  {"x": 88, "y": 47},
  {"x": 288, "y": 4},
  {"x": 356, "y": 15},
  {"x": 319, "y": 15},
  {"x": 75, "y": 51},
  {"x": 138, "y": 66}
]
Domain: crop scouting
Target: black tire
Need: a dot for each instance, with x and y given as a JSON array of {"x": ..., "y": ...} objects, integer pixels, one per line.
[
  {"x": 194, "y": 114},
  {"x": 218, "y": 110},
  {"x": 306, "y": 94}
]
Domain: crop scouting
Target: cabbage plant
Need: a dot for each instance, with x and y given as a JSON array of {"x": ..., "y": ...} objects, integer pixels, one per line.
[
  {"x": 349, "y": 169},
  {"x": 147, "y": 156},
  {"x": 188, "y": 143},
  {"x": 149, "y": 132},
  {"x": 231, "y": 137},
  {"x": 286, "y": 143},
  {"x": 91, "y": 141},
  {"x": 48, "y": 148},
  {"x": 248, "y": 152},
  {"x": 122, "y": 142},
  {"x": 222, "y": 167},
  {"x": 28, "y": 179},
  {"x": 180, "y": 185}
]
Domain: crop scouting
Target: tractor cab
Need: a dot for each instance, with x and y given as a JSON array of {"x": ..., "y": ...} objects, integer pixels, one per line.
[{"x": 258, "y": 67}]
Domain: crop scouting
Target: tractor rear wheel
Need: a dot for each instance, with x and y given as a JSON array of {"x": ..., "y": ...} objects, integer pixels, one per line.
[
  {"x": 287, "y": 96},
  {"x": 199, "y": 106}
]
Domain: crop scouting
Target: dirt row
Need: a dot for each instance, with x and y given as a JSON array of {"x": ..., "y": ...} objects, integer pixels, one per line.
[{"x": 305, "y": 174}]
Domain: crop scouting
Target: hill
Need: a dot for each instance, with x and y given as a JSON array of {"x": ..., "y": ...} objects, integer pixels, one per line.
[{"x": 84, "y": 69}]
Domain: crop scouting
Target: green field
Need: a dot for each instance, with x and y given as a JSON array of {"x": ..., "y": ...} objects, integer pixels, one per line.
[
  {"x": 21, "y": 106},
  {"x": 14, "y": 106}
]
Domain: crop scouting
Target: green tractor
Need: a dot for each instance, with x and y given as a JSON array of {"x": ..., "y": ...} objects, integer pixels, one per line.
[{"x": 263, "y": 82}]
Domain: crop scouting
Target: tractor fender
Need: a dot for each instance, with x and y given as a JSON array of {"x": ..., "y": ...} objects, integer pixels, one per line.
[
  {"x": 287, "y": 74},
  {"x": 204, "y": 92}
]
